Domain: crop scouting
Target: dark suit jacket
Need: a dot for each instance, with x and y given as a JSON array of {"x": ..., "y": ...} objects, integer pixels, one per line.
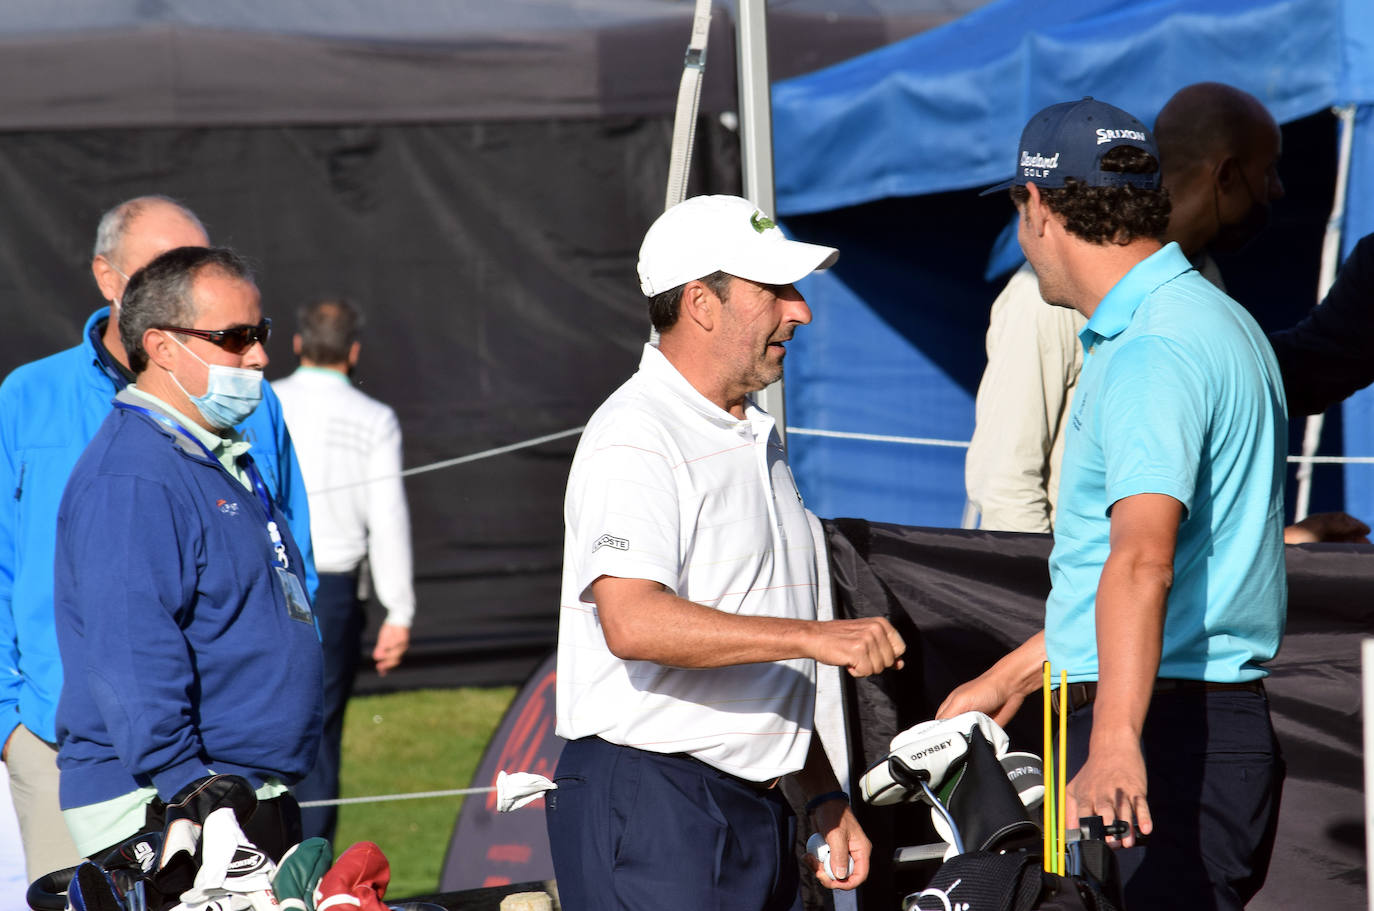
[{"x": 1330, "y": 354}]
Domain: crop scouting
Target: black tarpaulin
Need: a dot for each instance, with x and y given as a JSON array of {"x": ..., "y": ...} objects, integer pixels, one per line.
[{"x": 495, "y": 263}]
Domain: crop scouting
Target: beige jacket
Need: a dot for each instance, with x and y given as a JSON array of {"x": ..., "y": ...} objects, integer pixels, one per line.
[{"x": 1021, "y": 412}]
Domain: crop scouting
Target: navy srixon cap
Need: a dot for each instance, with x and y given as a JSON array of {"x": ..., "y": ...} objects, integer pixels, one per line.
[{"x": 1069, "y": 140}]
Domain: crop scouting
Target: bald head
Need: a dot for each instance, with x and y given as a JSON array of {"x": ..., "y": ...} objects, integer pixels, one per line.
[
  {"x": 130, "y": 236},
  {"x": 1219, "y": 148},
  {"x": 1209, "y": 120},
  {"x": 146, "y": 221}
]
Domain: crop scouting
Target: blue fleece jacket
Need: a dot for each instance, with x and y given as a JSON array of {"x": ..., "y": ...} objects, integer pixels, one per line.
[
  {"x": 49, "y": 410},
  {"x": 181, "y": 652}
]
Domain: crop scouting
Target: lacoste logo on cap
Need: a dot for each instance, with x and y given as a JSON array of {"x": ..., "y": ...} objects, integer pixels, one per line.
[
  {"x": 761, "y": 222},
  {"x": 610, "y": 541}
]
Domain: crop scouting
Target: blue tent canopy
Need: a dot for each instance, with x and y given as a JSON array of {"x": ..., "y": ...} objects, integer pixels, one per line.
[{"x": 942, "y": 112}]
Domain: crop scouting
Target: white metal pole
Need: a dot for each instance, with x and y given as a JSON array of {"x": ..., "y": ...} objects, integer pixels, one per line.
[
  {"x": 1331, "y": 257},
  {"x": 1367, "y": 672},
  {"x": 756, "y": 143}
]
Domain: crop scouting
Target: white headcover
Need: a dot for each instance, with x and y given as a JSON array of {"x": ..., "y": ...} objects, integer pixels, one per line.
[
  {"x": 234, "y": 873},
  {"x": 930, "y": 749}
]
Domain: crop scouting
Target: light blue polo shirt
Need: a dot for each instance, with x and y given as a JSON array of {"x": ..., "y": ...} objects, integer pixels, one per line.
[{"x": 1180, "y": 395}]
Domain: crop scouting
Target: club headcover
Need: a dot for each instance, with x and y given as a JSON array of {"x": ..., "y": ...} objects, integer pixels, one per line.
[
  {"x": 358, "y": 879},
  {"x": 92, "y": 889},
  {"x": 139, "y": 853},
  {"x": 928, "y": 752},
  {"x": 231, "y": 868},
  {"x": 180, "y": 858},
  {"x": 1027, "y": 774},
  {"x": 299, "y": 872},
  {"x": 984, "y": 803}
]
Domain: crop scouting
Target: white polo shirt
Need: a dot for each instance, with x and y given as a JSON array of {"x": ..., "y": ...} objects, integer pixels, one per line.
[{"x": 669, "y": 487}]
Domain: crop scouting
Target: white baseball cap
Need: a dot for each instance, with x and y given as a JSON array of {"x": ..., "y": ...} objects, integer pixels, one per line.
[{"x": 707, "y": 234}]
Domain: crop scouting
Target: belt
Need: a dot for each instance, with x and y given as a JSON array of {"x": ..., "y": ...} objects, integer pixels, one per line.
[
  {"x": 721, "y": 773},
  {"x": 1081, "y": 695}
]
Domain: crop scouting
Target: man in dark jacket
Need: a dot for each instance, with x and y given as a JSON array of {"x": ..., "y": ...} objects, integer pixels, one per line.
[
  {"x": 185, "y": 631},
  {"x": 1330, "y": 354}
]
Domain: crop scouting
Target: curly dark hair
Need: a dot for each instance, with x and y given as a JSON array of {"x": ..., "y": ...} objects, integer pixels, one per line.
[
  {"x": 1117, "y": 215},
  {"x": 664, "y": 308}
]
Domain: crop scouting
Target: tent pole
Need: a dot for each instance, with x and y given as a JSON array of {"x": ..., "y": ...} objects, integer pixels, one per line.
[
  {"x": 756, "y": 144},
  {"x": 1331, "y": 257},
  {"x": 1367, "y": 672}
]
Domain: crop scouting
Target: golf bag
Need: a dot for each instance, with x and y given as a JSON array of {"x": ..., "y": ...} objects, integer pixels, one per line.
[
  {"x": 200, "y": 859},
  {"x": 981, "y": 798}
]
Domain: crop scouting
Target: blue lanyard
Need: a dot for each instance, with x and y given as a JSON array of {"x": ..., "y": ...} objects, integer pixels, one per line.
[{"x": 250, "y": 468}]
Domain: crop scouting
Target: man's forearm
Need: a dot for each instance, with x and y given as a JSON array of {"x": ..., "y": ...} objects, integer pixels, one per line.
[
  {"x": 668, "y": 630},
  {"x": 1131, "y": 601},
  {"x": 642, "y": 621}
]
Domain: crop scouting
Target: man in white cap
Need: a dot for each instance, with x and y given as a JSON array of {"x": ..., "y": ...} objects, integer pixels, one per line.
[{"x": 688, "y": 643}]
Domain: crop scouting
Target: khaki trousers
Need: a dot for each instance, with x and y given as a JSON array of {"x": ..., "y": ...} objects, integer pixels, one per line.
[{"x": 32, "y": 766}]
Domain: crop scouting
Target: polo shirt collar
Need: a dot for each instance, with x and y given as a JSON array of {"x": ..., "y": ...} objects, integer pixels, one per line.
[
  {"x": 1115, "y": 312},
  {"x": 657, "y": 368},
  {"x": 226, "y": 449},
  {"x": 322, "y": 373}
]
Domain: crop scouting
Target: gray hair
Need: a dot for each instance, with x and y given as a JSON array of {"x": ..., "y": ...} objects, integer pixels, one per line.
[
  {"x": 109, "y": 234},
  {"x": 160, "y": 294},
  {"x": 328, "y": 329},
  {"x": 666, "y": 307}
]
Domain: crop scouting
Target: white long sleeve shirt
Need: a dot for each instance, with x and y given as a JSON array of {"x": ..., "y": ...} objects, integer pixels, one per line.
[{"x": 349, "y": 448}]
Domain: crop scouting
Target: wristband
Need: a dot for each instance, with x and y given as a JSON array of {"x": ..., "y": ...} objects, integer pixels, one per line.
[{"x": 815, "y": 802}]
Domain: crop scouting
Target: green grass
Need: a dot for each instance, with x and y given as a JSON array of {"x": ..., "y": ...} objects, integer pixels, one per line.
[{"x": 398, "y": 743}]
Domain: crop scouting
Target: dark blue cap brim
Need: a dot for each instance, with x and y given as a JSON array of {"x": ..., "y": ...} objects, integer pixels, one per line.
[{"x": 1004, "y": 185}]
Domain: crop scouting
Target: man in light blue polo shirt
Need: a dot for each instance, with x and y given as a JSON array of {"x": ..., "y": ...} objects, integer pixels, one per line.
[{"x": 1168, "y": 579}]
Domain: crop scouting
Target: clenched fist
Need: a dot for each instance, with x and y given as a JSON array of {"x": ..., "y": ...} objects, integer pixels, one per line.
[{"x": 864, "y": 647}]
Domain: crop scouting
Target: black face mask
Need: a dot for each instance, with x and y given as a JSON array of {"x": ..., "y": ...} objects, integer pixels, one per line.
[{"x": 1234, "y": 236}]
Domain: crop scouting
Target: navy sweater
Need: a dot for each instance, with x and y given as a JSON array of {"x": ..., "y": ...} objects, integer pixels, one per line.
[{"x": 179, "y": 653}]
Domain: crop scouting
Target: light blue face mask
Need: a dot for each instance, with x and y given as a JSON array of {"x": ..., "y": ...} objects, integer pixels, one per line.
[{"x": 231, "y": 393}]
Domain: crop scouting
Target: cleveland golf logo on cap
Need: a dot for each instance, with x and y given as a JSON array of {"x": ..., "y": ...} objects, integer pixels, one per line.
[{"x": 1038, "y": 165}]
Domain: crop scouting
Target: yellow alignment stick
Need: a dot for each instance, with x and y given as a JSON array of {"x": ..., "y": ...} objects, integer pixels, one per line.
[
  {"x": 1047, "y": 804},
  {"x": 1062, "y": 767}
]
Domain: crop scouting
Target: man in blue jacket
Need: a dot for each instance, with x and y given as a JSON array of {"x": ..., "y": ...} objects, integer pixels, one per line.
[
  {"x": 179, "y": 594},
  {"x": 49, "y": 410}
]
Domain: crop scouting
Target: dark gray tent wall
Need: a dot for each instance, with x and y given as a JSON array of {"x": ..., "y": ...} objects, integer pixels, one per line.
[
  {"x": 476, "y": 176},
  {"x": 491, "y": 261}
]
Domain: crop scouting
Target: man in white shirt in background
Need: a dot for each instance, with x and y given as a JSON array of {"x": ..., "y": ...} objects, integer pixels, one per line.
[{"x": 349, "y": 447}]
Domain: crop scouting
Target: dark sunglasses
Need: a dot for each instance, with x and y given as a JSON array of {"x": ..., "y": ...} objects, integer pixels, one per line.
[{"x": 236, "y": 340}]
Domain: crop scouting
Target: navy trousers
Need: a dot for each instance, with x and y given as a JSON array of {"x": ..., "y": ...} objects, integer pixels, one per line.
[
  {"x": 631, "y": 830},
  {"x": 341, "y": 619},
  {"x": 1214, "y": 779}
]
